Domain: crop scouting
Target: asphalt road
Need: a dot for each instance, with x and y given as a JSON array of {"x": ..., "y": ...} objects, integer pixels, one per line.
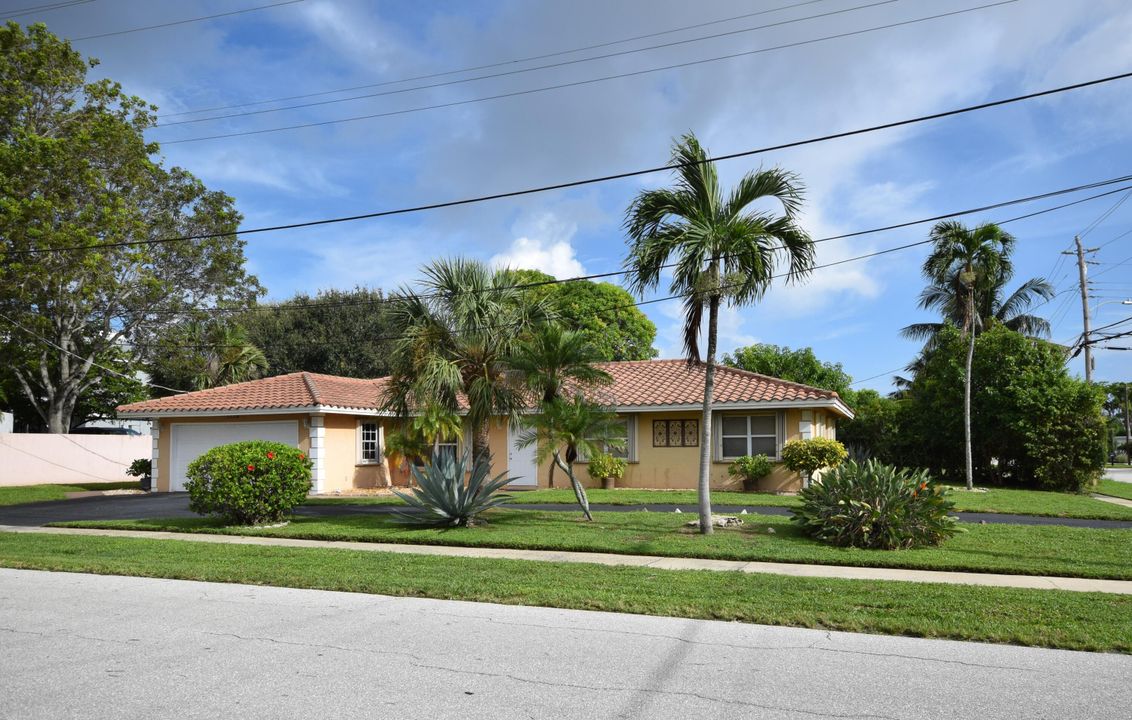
[
  {"x": 166, "y": 505},
  {"x": 87, "y": 646}
]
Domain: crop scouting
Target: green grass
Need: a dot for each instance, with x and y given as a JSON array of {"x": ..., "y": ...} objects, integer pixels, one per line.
[
  {"x": 1046, "y": 618},
  {"x": 1115, "y": 489},
  {"x": 998, "y": 500},
  {"x": 1012, "y": 549},
  {"x": 39, "y": 493}
]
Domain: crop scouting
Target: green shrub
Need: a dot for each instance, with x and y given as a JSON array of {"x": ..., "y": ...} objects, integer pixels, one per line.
[
  {"x": 872, "y": 505},
  {"x": 809, "y": 456},
  {"x": 249, "y": 483},
  {"x": 443, "y": 499},
  {"x": 606, "y": 467},
  {"x": 750, "y": 469},
  {"x": 142, "y": 469}
]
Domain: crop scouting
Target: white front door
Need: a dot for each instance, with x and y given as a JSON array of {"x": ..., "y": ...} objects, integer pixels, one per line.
[
  {"x": 522, "y": 463},
  {"x": 191, "y": 440}
]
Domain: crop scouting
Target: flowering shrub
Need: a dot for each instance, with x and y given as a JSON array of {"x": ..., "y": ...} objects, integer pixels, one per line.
[
  {"x": 249, "y": 483},
  {"x": 871, "y": 505}
]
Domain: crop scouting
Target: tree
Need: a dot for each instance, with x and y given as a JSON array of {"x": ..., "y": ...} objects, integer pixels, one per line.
[
  {"x": 564, "y": 430},
  {"x": 874, "y": 430},
  {"x": 335, "y": 332},
  {"x": 800, "y": 366},
  {"x": 454, "y": 341},
  {"x": 1033, "y": 424},
  {"x": 723, "y": 251},
  {"x": 86, "y": 271},
  {"x": 552, "y": 357},
  {"x": 605, "y": 314},
  {"x": 963, "y": 262},
  {"x": 989, "y": 304}
]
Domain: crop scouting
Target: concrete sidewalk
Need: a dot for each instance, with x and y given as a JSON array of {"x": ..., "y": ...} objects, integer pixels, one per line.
[{"x": 1040, "y": 582}]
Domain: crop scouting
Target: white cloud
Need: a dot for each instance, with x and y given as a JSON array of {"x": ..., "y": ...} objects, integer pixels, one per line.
[{"x": 544, "y": 245}]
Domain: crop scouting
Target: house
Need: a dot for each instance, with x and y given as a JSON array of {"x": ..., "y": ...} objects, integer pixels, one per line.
[{"x": 339, "y": 423}]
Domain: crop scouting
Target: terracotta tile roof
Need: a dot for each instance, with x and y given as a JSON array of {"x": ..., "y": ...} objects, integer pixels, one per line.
[
  {"x": 673, "y": 382},
  {"x": 640, "y": 383},
  {"x": 295, "y": 390}
]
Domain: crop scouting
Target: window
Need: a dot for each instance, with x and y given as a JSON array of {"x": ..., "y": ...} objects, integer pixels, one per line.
[
  {"x": 448, "y": 447},
  {"x": 369, "y": 443},
  {"x": 748, "y": 435},
  {"x": 628, "y": 452},
  {"x": 675, "y": 433}
]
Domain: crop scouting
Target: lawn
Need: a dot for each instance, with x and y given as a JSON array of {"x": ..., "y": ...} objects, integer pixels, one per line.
[
  {"x": 1115, "y": 489},
  {"x": 1046, "y": 618},
  {"x": 998, "y": 500},
  {"x": 39, "y": 493},
  {"x": 1012, "y": 549}
]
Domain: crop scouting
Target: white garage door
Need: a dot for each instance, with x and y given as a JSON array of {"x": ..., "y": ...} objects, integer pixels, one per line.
[{"x": 190, "y": 440}]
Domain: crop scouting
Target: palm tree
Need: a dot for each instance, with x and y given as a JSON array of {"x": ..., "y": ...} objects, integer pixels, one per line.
[
  {"x": 435, "y": 424},
  {"x": 454, "y": 341},
  {"x": 1012, "y": 312},
  {"x": 552, "y": 357},
  {"x": 723, "y": 251},
  {"x": 229, "y": 357},
  {"x": 967, "y": 261},
  {"x": 577, "y": 427}
]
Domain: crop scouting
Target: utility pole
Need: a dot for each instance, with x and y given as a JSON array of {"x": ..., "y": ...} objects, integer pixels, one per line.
[{"x": 1080, "y": 252}]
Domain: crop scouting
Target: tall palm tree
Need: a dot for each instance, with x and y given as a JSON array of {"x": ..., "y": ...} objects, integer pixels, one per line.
[
  {"x": 967, "y": 260},
  {"x": 1012, "y": 311},
  {"x": 454, "y": 341},
  {"x": 564, "y": 430},
  {"x": 723, "y": 251},
  {"x": 229, "y": 357}
]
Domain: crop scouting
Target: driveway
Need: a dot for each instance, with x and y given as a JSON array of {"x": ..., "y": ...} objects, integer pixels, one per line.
[
  {"x": 88, "y": 646},
  {"x": 166, "y": 505},
  {"x": 1119, "y": 474}
]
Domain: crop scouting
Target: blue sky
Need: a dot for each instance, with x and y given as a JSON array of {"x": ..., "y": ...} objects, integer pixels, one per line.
[{"x": 851, "y": 313}]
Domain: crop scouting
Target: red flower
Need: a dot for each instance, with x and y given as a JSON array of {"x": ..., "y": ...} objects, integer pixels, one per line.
[
  {"x": 251, "y": 468},
  {"x": 302, "y": 457},
  {"x": 270, "y": 455}
]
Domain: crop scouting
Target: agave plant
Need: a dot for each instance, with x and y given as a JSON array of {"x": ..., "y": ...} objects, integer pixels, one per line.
[{"x": 443, "y": 499}]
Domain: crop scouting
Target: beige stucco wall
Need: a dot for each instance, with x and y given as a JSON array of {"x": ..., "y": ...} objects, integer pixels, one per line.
[
  {"x": 344, "y": 471},
  {"x": 667, "y": 468},
  {"x": 164, "y": 438}
]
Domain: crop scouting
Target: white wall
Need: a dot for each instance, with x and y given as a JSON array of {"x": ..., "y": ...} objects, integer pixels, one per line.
[{"x": 39, "y": 458}]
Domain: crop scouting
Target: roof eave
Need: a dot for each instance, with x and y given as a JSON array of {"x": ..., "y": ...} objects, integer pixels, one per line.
[{"x": 288, "y": 410}]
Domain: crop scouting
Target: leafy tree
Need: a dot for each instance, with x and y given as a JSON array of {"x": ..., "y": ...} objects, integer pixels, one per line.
[
  {"x": 1034, "y": 425},
  {"x": 962, "y": 263},
  {"x": 1118, "y": 408},
  {"x": 204, "y": 354},
  {"x": 79, "y": 186},
  {"x": 800, "y": 366},
  {"x": 603, "y": 313},
  {"x": 724, "y": 251},
  {"x": 874, "y": 430},
  {"x": 335, "y": 332},
  {"x": 455, "y": 338},
  {"x": 566, "y": 429}
]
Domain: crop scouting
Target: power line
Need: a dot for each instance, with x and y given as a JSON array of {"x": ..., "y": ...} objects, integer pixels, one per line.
[
  {"x": 589, "y": 81},
  {"x": 590, "y": 181},
  {"x": 80, "y": 357},
  {"x": 730, "y": 286},
  {"x": 12, "y": 15},
  {"x": 521, "y": 71},
  {"x": 185, "y": 22},
  {"x": 857, "y": 233},
  {"x": 501, "y": 63}
]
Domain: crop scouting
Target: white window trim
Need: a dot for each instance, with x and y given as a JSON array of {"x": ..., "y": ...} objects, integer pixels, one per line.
[
  {"x": 717, "y": 433},
  {"x": 359, "y": 460},
  {"x": 630, "y": 440}
]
